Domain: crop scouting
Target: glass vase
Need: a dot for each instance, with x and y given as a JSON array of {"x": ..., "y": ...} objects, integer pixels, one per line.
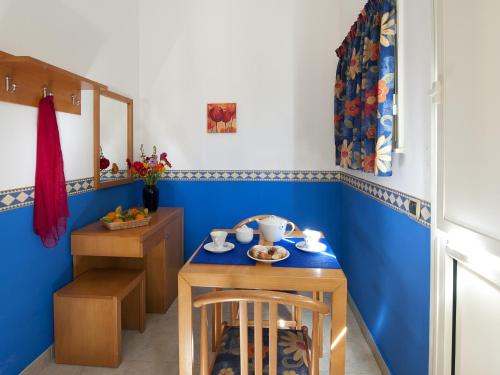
[{"x": 151, "y": 197}]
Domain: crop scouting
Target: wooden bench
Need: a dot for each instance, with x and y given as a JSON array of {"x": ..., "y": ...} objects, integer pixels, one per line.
[{"x": 90, "y": 312}]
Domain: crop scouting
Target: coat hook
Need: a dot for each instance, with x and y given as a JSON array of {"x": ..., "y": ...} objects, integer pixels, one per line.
[
  {"x": 46, "y": 92},
  {"x": 9, "y": 86},
  {"x": 75, "y": 101}
]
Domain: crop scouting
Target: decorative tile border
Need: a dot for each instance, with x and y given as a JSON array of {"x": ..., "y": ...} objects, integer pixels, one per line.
[
  {"x": 16, "y": 198},
  {"x": 392, "y": 198},
  {"x": 21, "y": 197},
  {"x": 251, "y": 175},
  {"x": 108, "y": 175}
]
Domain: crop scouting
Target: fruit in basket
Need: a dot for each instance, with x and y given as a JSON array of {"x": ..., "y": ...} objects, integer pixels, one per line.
[{"x": 119, "y": 215}]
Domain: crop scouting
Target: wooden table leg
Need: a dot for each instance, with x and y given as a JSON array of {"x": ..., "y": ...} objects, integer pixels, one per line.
[
  {"x": 185, "y": 328},
  {"x": 338, "y": 334}
]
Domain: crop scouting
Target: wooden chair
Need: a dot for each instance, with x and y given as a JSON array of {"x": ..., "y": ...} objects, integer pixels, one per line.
[
  {"x": 296, "y": 320},
  {"x": 294, "y": 348},
  {"x": 234, "y": 308}
]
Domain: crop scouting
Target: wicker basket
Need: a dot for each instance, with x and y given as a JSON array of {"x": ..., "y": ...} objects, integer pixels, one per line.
[{"x": 127, "y": 224}]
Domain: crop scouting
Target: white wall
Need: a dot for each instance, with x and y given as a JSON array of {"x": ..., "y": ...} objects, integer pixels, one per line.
[
  {"x": 411, "y": 170},
  {"x": 274, "y": 58},
  {"x": 96, "y": 39}
]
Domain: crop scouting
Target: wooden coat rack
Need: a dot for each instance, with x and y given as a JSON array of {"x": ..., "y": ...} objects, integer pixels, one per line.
[{"x": 26, "y": 80}]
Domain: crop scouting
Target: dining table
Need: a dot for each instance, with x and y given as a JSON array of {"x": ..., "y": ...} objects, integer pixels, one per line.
[{"x": 300, "y": 272}]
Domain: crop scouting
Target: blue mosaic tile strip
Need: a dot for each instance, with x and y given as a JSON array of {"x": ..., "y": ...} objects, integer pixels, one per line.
[
  {"x": 16, "y": 198},
  {"x": 108, "y": 175},
  {"x": 392, "y": 198},
  {"x": 21, "y": 197},
  {"x": 251, "y": 175}
]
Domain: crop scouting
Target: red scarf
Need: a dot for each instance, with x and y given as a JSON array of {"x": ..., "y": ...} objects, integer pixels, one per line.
[{"x": 51, "y": 199}]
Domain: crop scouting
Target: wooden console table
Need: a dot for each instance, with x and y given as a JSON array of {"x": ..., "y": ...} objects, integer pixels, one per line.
[{"x": 157, "y": 249}]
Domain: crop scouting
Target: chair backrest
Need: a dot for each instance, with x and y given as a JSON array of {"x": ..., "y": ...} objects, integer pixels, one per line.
[
  {"x": 257, "y": 217},
  {"x": 258, "y": 298}
]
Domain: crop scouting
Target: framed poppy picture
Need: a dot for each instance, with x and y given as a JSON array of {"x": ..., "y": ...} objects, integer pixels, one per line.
[{"x": 221, "y": 118}]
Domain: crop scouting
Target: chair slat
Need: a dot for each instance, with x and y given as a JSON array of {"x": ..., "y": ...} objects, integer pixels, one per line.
[
  {"x": 234, "y": 313},
  {"x": 297, "y": 316},
  {"x": 204, "y": 342},
  {"x": 216, "y": 323},
  {"x": 315, "y": 345},
  {"x": 273, "y": 338},
  {"x": 257, "y": 312},
  {"x": 244, "y": 338},
  {"x": 319, "y": 296}
]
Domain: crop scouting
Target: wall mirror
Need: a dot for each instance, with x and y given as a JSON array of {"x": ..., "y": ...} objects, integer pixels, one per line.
[{"x": 113, "y": 124}]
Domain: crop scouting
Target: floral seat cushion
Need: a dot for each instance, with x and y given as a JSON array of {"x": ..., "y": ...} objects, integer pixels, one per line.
[{"x": 292, "y": 354}]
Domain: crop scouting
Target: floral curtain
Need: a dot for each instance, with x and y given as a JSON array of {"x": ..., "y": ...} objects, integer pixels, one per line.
[{"x": 364, "y": 91}]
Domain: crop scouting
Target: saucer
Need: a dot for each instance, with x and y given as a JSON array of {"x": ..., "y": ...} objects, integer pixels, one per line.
[
  {"x": 318, "y": 248},
  {"x": 228, "y": 246}
]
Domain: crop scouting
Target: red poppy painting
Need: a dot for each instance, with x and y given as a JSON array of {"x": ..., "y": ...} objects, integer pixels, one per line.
[{"x": 221, "y": 118}]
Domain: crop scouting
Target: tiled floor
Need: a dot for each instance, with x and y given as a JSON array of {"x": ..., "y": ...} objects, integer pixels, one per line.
[{"x": 155, "y": 351}]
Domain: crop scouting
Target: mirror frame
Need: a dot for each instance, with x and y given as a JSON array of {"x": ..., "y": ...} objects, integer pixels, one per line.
[{"x": 97, "y": 136}]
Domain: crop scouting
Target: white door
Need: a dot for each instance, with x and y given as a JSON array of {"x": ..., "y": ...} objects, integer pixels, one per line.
[{"x": 466, "y": 262}]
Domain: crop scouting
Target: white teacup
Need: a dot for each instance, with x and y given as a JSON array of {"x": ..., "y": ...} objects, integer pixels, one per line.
[
  {"x": 218, "y": 238},
  {"x": 311, "y": 238}
]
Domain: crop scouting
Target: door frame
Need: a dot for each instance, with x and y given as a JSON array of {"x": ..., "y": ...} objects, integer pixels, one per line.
[{"x": 449, "y": 241}]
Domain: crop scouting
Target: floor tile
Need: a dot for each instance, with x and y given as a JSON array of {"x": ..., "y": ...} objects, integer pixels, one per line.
[{"x": 55, "y": 369}]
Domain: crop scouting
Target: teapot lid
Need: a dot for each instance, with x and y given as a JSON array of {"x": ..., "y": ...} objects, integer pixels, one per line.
[{"x": 272, "y": 220}]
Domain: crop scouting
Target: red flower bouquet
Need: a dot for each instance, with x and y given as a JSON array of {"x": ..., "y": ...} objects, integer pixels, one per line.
[{"x": 149, "y": 168}]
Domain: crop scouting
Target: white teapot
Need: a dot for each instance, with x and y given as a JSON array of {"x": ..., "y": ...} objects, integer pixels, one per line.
[{"x": 273, "y": 228}]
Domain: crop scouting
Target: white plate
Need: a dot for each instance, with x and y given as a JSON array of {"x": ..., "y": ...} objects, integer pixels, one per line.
[
  {"x": 318, "y": 248},
  {"x": 271, "y": 260},
  {"x": 228, "y": 246}
]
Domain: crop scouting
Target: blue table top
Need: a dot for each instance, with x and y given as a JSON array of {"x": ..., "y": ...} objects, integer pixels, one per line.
[{"x": 297, "y": 259}]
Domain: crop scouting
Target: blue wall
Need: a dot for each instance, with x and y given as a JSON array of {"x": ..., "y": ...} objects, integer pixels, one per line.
[
  {"x": 30, "y": 273},
  {"x": 386, "y": 257},
  {"x": 211, "y": 204}
]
